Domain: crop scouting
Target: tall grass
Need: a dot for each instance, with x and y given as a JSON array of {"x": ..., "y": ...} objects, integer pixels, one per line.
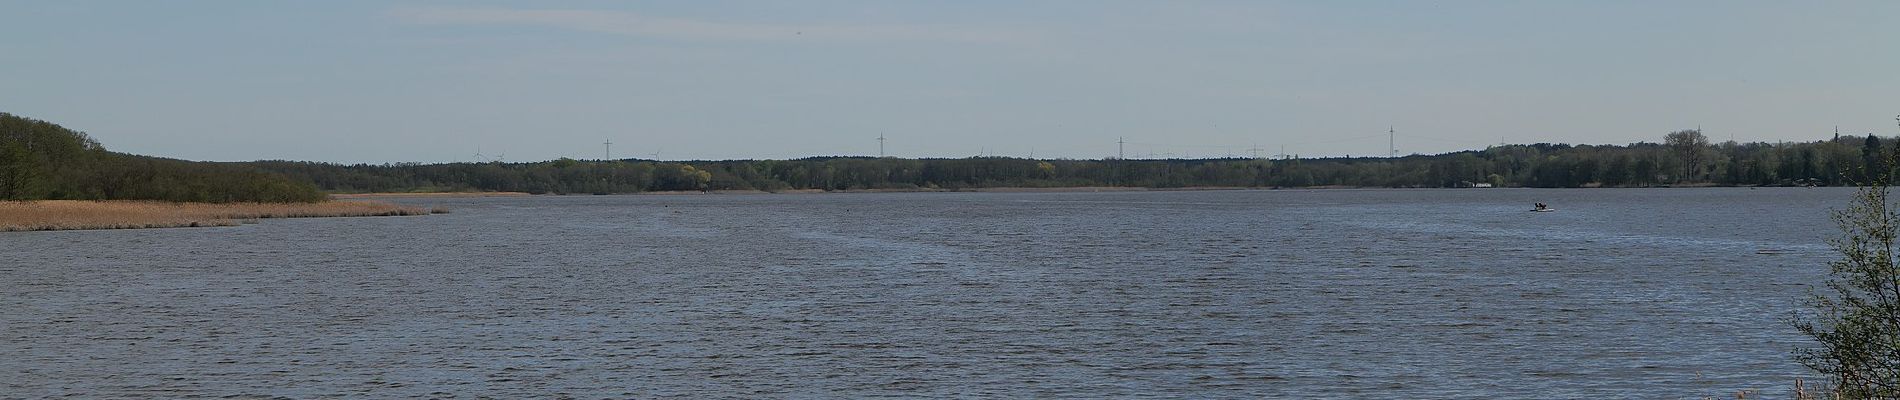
[{"x": 81, "y": 214}]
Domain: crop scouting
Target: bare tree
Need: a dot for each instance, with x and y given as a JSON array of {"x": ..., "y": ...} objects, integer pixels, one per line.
[{"x": 1689, "y": 144}]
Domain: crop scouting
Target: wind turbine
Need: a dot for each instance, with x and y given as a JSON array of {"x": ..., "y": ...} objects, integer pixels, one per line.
[{"x": 482, "y": 158}]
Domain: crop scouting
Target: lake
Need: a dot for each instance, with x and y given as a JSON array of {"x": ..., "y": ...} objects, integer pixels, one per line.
[{"x": 1621, "y": 293}]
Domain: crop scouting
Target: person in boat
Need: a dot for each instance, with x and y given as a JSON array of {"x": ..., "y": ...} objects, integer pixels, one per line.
[{"x": 1540, "y": 206}]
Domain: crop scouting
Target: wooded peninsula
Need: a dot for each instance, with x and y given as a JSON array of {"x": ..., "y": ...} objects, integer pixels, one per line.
[{"x": 42, "y": 160}]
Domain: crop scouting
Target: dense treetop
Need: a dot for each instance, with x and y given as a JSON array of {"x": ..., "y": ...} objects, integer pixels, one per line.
[{"x": 41, "y": 160}]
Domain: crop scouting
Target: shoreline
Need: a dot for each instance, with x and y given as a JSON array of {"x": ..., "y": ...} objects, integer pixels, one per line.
[
  {"x": 59, "y": 215},
  {"x": 999, "y": 189},
  {"x": 1085, "y": 189},
  {"x": 382, "y": 195}
]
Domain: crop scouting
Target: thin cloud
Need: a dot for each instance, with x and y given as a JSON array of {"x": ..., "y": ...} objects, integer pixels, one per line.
[{"x": 636, "y": 24}]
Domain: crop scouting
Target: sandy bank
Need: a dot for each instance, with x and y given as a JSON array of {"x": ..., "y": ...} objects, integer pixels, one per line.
[{"x": 74, "y": 214}]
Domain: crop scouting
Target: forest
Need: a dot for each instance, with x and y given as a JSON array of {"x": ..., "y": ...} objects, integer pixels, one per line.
[
  {"x": 41, "y": 160},
  {"x": 1682, "y": 158}
]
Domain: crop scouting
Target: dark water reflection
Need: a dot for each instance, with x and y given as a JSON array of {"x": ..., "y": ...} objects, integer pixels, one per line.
[{"x": 1341, "y": 293}]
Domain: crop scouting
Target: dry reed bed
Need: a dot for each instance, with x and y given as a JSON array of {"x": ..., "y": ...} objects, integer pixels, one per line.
[{"x": 76, "y": 214}]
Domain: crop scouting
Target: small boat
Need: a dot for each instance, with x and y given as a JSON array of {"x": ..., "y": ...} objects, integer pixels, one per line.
[{"x": 1546, "y": 209}]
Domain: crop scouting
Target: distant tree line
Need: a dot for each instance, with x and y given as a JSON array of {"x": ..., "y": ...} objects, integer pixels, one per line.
[
  {"x": 1684, "y": 158},
  {"x": 40, "y": 160}
]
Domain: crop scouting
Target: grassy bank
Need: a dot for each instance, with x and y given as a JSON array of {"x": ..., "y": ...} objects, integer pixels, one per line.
[{"x": 79, "y": 214}]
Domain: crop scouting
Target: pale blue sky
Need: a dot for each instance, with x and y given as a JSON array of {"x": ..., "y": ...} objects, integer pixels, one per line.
[{"x": 391, "y": 81}]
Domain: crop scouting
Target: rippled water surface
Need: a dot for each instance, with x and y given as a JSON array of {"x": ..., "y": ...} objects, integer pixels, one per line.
[{"x": 1663, "y": 293}]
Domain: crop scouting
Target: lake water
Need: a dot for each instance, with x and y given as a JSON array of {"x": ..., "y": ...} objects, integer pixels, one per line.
[{"x": 1621, "y": 293}]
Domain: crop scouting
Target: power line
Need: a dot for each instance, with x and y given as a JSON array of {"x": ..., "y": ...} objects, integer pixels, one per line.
[
  {"x": 1214, "y": 146},
  {"x": 1255, "y": 149},
  {"x": 1334, "y": 140}
]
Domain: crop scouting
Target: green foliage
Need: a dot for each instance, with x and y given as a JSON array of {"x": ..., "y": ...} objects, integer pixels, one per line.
[
  {"x": 40, "y": 160},
  {"x": 22, "y": 172},
  {"x": 1857, "y": 323}
]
